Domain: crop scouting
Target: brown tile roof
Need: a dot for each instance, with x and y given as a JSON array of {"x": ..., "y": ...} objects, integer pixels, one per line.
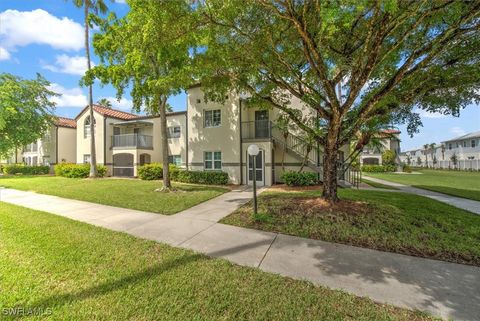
[
  {"x": 114, "y": 113},
  {"x": 65, "y": 122}
]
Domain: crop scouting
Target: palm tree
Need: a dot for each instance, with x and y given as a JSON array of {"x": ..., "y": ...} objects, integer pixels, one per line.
[
  {"x": 425, "y": 149},
  {"x": 443, "y": 151},
  {"x": 105, "y": 103},
  {"x": 95, "y": 6},
  {"x": 432, "y": 151}
]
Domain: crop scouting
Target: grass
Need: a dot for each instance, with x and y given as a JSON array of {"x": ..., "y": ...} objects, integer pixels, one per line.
[
  {"x": 127, "y": 193},
  {"x": 456, "y": 183},
  {"x": 393, "y": 222},
  {"x": 378, "y": 185},
  {"x": 74, "y": 271}
]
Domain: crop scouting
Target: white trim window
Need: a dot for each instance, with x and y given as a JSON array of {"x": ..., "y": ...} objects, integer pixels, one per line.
[
  {"x": 173, "y": 132},
  {"x": 212, "y": 118},
  {"x": 86, "y": 158},
  {"x": 212, "y": 161},
  {"x": 175, "y": 159}
]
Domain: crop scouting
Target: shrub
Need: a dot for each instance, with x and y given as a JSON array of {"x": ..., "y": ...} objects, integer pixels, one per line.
[
  {"x": 292, "y": 178},
  {"x": 25, "y": 170},
  {"x": 388, "y": 157},
  {"x": 71, "y": 170},
  {"x": 154, "y": 171},
  {"x": 378, "y": 168},
  {"x": 406, "y": 168},
  {"x": 199, "y": 177}
]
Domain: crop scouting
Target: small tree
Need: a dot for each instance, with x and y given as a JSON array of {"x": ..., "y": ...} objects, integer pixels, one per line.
[
  {"x": 148, "y": 51},
  {"x": 443, "y": 151},
  {"x": 25, "y": 111},
  {"x": 426, "y": 148},
  {"x": 409, "y": 160},
  {"x": 454, "y": 159},
  {"x": 419, "y": 161},
  {"x": 435, "y": 161},
  {"x": 388, "y": 157}
]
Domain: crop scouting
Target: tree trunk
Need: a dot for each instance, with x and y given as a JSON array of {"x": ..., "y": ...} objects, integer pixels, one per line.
[
  {"x": 93, "y": 153},
  {"x": 163, "y": 131},
  {"x": 330, "y": 163}
]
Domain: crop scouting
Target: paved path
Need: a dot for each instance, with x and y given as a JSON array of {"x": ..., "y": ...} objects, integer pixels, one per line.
[
  {"x": 444, "y": 289},
  {"x": 463, "y": 203}
]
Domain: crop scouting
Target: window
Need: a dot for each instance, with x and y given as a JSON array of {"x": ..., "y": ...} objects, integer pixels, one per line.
[
  {"x": 449, "y": 146},
  {"x": 213, "y": 160},
  {"x": 473, "y": 143},
  {"x": 173, "y": 132},
  {"x": 175, "y": 159},
  {"x": 465, "y": 144},
  {"x": 86, "y": 158},
  {"x": 213, "y": 118},
  {"x": 87, "y": 127}
]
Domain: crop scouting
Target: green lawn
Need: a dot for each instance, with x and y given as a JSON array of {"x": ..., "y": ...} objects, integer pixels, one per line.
[
  {"x": 456, "y": 183},
  {"x": 127, "y": 193},
  {"x": 377, "y": 185},
  {"x": 76, "y": 271},
  {"x": 393, "y": 222}
]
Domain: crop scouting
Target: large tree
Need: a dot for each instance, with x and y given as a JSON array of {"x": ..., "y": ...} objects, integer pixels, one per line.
[
  {"x": 90, "y": 6},
  {"x": 148, "y": 51},
  {"x": 25, "y": 111},
  {"x": 350, "y": 62}
]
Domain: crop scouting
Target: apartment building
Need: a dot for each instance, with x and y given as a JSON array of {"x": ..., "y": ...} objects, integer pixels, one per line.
[
  {"x": 57, "y": 145},
  {"x": 466, "y": 149},
  {"x": 389, "y": 140},
  {"x": 208, "y": 136},
  {"x": 124, "y": 141}
]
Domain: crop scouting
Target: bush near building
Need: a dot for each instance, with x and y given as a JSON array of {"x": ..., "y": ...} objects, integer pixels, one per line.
[
  {"x": 200, "y": 177},
  {"x": 292, "y": 178},
  {"x": 154, "y": 171},
  {"x": 71, "y": 170},
  {"x": 20, "y": 169}
]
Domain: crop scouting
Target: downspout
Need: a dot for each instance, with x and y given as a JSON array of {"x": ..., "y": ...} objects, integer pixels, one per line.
[
  {"x": 186, "y": 138},
  {"x": 241, "y": 141}
]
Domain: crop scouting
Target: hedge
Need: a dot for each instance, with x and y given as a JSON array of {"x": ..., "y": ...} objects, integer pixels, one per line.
[
  {"x": 154, "y": 171},
  {"x": 299, "y": 178},
  {"x": 71, "y": 170},
  {"x": 199, "y": 177},
  {"x": 378, "y": 168},
  {"x": 25, "y": 170}
]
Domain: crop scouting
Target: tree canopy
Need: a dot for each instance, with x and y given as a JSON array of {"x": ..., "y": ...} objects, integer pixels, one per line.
[
  {"x": 353, "y": 63},
  {"x": 25, "y": 111}
]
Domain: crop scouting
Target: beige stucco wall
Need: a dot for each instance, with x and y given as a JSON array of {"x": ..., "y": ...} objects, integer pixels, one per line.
[
  {"x": 225, "y": 138},
  {"x": 67, "y": 145},
  {"x": 83, "y": 143}
]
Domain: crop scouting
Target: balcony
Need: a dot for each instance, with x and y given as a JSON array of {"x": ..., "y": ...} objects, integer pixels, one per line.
[
  {"x": 132, "y": 141},
  {"x": 257, "y": 130}
]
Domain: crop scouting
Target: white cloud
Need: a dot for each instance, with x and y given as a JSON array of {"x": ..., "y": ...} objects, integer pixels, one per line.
[
  {"x": 458, "y": 131},
  {"x": 120, "y": 1},
  {"x": 123, "y": 104},
  {"x": 22, "y": 28},
  {"x": 73, "y": 65},
  {"x": 73, "y": 97},
  {"x": 427, "y": 114},
  {"x": 4, "y": 54}
]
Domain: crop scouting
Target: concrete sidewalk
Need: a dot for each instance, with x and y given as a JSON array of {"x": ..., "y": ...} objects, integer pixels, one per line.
[
  {"x": 463, "y": 203},
  {"x": 443, "y": 289}
]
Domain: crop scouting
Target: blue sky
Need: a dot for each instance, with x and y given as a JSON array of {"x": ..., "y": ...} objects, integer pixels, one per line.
[{"x": 46, "y": 36}]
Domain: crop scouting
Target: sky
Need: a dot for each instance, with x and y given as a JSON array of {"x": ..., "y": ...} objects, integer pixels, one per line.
[{"x": 46, "y": 37}]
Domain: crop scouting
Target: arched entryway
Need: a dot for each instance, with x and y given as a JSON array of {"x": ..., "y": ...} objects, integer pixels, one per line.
[
  {"x": 123, "y": 165},
  {"x": 145, "y": 159}
]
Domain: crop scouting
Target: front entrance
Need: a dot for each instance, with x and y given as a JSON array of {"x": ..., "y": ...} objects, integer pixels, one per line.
[
  {"x": 259, "y": 170},
  {"x": 123, "y": 165}
]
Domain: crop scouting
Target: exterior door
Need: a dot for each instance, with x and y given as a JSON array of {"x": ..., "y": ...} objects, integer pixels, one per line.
[
  {"x": 123, "y": 165},
  {"x": 262, "y": 125},
  {"x": 259, "y": 171}
]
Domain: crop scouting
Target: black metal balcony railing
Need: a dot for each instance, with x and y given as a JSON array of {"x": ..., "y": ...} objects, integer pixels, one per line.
[
  {"x": 132, "y": 140},
  {"x": 259, "y": 129}
]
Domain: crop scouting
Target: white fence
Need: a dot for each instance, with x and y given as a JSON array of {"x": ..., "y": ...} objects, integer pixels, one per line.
[{"x": 466, "y": 164}]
